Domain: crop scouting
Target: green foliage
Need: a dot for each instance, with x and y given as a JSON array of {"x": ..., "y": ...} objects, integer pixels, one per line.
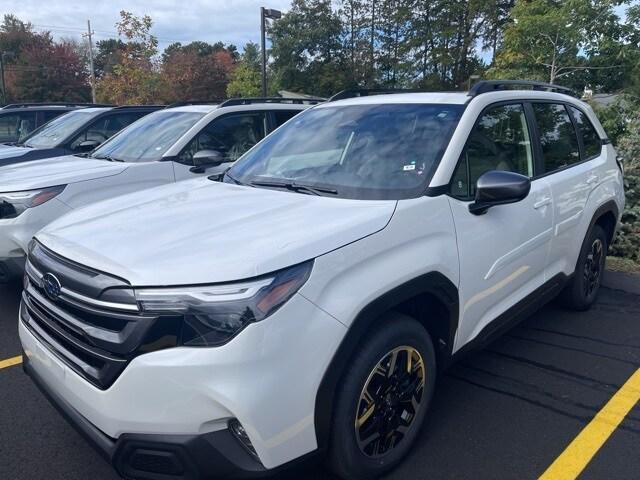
[
  {"x": 245, "y": 80},
  {"x": 577, "y": 43},
  {"x": 623, "y": 119}
]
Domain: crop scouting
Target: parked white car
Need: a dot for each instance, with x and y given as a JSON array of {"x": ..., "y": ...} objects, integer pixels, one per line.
[
  {"x": 166, "y": 146},
  {"x": 306, "y": 304}
]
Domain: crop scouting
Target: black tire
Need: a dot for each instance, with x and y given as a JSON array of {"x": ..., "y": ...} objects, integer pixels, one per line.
[
  {"x": 411, "y": 342},
  {"x": 581, "y": 292}
]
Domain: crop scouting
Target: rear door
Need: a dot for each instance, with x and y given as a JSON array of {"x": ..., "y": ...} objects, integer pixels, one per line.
[
  {"x": 503, "y": 252},
  {"x": 571, "y": 152}
]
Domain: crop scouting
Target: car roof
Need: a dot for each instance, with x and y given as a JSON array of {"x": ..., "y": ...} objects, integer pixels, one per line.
[{"x": 457, "y": 98}]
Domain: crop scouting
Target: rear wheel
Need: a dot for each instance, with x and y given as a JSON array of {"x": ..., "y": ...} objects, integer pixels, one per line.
[
  {"x": 582, "y": 290},
  {"x": 383, "y": 399}
]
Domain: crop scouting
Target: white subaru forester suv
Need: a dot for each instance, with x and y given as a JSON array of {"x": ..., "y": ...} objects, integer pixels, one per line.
[{"x": 305, "y": 304}]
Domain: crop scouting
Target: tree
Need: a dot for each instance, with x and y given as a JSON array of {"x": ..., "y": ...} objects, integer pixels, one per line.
[
  {"x": 190, "y": 74},
  {"x": 307, "y": 49},
  {"x": 37, "y": 69},
  {"x": 556, "y": 41},
  {"x": 109, "y": 53},
  {"x": 135, "y": 79},
  {"x": 245, "y": 80}
]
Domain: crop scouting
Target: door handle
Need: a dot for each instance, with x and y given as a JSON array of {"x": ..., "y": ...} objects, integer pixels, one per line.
[
  {"x": 542, "y": 202},
  {"x": 592, "y": 179}
]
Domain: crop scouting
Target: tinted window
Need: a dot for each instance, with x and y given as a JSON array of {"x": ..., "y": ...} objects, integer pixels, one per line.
[
  {"x": 362, "y": 151},
  {"x": 557, "y": 136},
  {"x": 51, "y": 114},
  {"x": 148, "y": 139},
  {"x": 59, "y": 129},
  {"x": 282, "y": 116},
  {"x": 105, "y": 128},
  {"x": 16, "y": 126},
  {"x": 500, "y": 140},
  {"x": 590, "y": 138},
  {"x": 231, "y": 135}
]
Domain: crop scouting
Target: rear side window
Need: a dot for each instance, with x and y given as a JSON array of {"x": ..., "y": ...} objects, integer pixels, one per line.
[
  {"x": 499, "y": 141},
  {"x": 557, "y": 136},
  {"x": 590, "y": 139},
  {"x": 282, "y": 116}
]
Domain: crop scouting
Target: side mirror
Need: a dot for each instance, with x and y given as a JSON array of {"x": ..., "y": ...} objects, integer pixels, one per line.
[
  {"x": 205, "y": 159},
  {"x": 88, "y": 145},
  {"x": 498, "y": 187}
]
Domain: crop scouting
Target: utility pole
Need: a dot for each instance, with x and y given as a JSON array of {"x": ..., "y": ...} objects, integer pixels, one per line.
[
  {"x": 93, "y": 73},
  {"x": 264, "y": 14},
  {"x": 4, "y": 88}
]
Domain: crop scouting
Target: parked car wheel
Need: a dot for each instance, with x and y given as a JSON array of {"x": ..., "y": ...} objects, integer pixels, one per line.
[
  {"x": 582, "y": 290},
  {"x": 383, "y": 399}
]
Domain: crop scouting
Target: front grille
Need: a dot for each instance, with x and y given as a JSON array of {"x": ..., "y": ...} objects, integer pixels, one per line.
[{"x": 88, "y": 319}]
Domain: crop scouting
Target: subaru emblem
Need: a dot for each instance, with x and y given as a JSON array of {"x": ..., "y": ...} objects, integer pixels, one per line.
[{"x": 52, "y": 286}]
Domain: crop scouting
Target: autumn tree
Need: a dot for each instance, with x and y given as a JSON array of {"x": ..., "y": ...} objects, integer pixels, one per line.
[{"x": 136, "y": 78}]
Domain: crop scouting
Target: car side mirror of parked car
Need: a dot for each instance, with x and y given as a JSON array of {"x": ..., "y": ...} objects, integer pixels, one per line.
[
  {"x": 88, "y": 145},
  {"x": 205, "y": 159},
  {"x": 497, "y": 187}
]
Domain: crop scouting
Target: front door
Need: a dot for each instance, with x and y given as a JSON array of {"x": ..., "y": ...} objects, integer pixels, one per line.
[
  {"x": 231, "y": 135},
  {"x": 503, "y": 252}
]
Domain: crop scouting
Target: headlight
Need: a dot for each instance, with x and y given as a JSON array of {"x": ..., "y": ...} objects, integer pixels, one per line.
[
  {"x": 13, "y": 204},
  {"x": 213, "y": 314}
]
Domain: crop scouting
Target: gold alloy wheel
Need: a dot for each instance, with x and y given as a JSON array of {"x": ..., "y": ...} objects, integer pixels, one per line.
[{"x": 390, "y": 401}]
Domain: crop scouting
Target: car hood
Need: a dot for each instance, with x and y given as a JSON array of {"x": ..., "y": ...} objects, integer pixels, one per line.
[
  {"x": 199, "y": 232},
  {"x": 55, "y": 171},
  {"x": 9, "y": 151}
]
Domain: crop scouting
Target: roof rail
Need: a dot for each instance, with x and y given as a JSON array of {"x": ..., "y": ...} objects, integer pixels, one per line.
[
  {"x": 213, "y": 101},
  {"x": 485, "y": 86},
  {"x": 55, "y": 104},
  {"x": 125, "y": 107},
  {"x": 366, "y": 92},
  {"x": 251, "y": 100}
]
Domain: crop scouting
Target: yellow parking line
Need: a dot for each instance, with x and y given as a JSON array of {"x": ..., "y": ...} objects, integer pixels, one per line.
[
  {"x": 10, "y": 362},
  {"x": 583, "y": 448}
]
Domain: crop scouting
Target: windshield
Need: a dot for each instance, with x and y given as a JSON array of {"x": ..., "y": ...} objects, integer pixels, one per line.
[
  {"x": 60, "y": 129},
  {"x": 149, "y": 138},
  {"x": 361, "y": 151}
]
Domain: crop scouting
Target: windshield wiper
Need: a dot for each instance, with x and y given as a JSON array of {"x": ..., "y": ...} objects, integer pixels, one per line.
[
  {"x": 296, "y": 187},
  {"x": 226, "y": 175},
  {"x": 108, "y": 158}
]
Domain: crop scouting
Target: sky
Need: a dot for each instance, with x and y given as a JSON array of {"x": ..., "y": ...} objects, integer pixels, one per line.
[{"x": 231, "y": 21}]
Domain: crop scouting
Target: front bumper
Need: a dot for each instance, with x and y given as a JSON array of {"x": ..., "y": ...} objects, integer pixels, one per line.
[
  {"x": 163, "y": 457},
  {"x": 266, "y": 378}
]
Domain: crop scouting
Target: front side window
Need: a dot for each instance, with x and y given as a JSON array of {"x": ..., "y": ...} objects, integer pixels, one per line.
[
  {"x": 590, "y": 139},
  {"x": 500, "y": 140},
  {"x": 386, "y": 151},
  {"x": 231, "y": 135},
  {"x": 283, "y": 116},
  {"x": 105, "y": 128},
  {"x": 557, "y": 136},
  {"x": 16, "y": 126},
  {"x": 148, "y": 139},
  {"x": 57, "y": 131}
]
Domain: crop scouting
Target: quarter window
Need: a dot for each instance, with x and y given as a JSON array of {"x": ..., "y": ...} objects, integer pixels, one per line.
[
  {"x": 590, "y": 139},
  {"x": 500, "y": 140},
  {"x": 557, "y": 136}
]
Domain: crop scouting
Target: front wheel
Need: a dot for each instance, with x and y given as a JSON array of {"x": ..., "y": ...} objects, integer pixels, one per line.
[
  {"x": 582, "y": 290},
  {"x": 382, "y": 400}
]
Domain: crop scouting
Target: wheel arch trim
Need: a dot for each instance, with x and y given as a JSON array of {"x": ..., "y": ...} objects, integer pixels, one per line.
[{"x": 433, "y": 283}]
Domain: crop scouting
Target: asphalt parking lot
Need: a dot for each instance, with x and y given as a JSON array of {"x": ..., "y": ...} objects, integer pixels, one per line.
[{"x": 507, "y": 412}]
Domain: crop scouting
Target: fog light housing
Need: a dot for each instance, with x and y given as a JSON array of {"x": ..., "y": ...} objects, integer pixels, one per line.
[{"x": 241, "y": 434}]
